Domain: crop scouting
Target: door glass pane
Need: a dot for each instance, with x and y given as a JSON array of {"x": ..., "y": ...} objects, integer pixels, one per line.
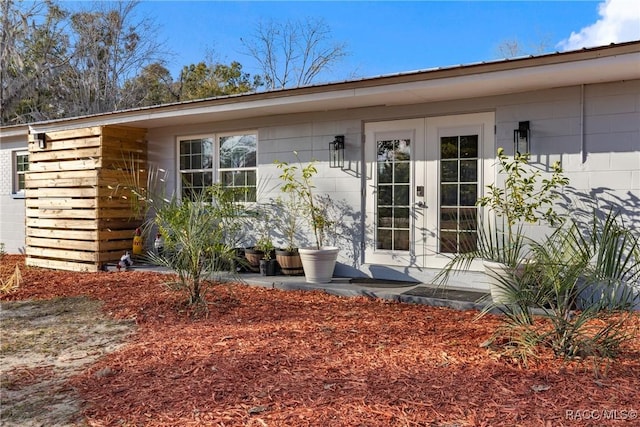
[
  {"x": 458, "y": 193},
  {"x": 393, "y": 182},
  {"x": 449, "y": 171}
]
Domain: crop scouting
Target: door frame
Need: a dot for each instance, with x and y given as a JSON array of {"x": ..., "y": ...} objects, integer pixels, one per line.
[{"x": 425, "y": 170}]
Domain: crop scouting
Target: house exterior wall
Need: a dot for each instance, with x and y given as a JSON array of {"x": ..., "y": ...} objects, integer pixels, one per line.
[
  {"x": 12, "y": 207},
  {"x": 593, "y": 130}
]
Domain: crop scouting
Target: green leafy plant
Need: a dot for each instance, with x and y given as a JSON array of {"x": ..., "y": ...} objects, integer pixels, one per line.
[
  {"x": 289, "y": 219},
  {"x": 298, "y": 182},
  {"x": 525, "y": 196}
]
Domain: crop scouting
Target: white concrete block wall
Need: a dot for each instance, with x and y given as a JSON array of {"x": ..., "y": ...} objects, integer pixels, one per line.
[
  {"x": 12, "y": 209},
  {"x": 611, "y": 163},
  {"x": 311, "y": 141}
]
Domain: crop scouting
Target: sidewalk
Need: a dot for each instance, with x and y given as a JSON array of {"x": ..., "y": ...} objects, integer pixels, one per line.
[
  {"x": 413, "y": 293},
  {"x": 406, "y": 292}
]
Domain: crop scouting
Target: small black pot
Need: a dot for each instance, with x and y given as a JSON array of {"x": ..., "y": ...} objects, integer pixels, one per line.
[{"x": 268, "y": 267}]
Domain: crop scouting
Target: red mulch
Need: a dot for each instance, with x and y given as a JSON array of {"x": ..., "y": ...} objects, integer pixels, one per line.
[{"x": 282, "y": 358}]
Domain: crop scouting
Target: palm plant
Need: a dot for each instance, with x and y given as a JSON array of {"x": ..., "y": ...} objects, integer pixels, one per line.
[
  {"x": 567, "y": 267},
  {"x": 201, "y": 235}
]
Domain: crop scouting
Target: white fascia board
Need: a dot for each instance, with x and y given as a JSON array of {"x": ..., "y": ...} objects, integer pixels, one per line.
[{"x": 624, "y": 67}]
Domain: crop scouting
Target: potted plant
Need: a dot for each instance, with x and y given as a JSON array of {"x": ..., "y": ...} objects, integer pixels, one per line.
[
  {"x": 263, "y": 248},
  {"x": 268, "y": 264},
  {"x": 524, "y": 197},
  {"x": 289, "y": 221},
  {"x": 318, "y": 261}
]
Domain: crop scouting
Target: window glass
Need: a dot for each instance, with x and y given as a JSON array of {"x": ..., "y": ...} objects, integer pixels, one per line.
[
  {"x": 237, "y": 167},
  {"x": 196, "y": 165},
  {"x": 21, "y": 167},
  {"x": 458, "y": 193},
  {"x": 393, "y": 194}
]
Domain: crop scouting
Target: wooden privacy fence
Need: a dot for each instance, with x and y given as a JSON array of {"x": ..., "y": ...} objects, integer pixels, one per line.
[{"x": 79, "y": 213}]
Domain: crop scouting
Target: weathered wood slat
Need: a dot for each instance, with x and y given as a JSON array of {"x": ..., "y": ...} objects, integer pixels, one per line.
[
  {"x": 124, "y": 132},
  {"x": 59, "y": 174},
  {"x": 66, "y": 144},
  {"x": 79, "y": 192},
  {"x": 61, "y": 213},
  {"x": 119, "y": 224},
  {"x": 59, "y": 233},
  {"x": 65, "y": 223},
  {"x": 75, "y": 133},
  {"x": 64, "y": 254},
  {"x": 64, "y": 202},
  {"x": 61, "y": 182},
  {"x": 68, "y": 165},
  {"x": 73, "y": 154},
  {"x": 82, "y": 245},
  {"x": 62, "y": 265}
]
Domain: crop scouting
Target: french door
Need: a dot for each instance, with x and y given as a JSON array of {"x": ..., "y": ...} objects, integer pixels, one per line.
[{"x": 423, "y": 179}]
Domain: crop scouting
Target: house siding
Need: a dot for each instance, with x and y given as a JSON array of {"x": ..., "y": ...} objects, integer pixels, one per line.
[
  {"x": 12, "y": 209},
  {"x": 606, "y": 160},
  {"x": 594, "y": 130}
]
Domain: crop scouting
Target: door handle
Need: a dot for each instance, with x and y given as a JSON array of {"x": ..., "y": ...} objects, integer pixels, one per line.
[{"x": 421, "y": 204}]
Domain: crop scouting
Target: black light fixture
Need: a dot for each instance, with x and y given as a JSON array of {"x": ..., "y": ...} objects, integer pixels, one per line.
[
  {"x": 41, "y": 138},
  {"x": 522, "y": 138},
  {"x": 336, "y": 152}
]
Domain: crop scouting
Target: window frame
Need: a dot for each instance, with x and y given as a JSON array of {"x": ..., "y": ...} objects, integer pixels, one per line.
[
  {"x": 180, "y": 171},
  {"x": 215, "y": 170},
  {"x": 16, "y": 191}
]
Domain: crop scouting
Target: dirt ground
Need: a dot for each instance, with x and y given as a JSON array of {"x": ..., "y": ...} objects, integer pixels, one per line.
[
  {"x": 43, "y": 345},
  {"x": 124, "y": 351}
]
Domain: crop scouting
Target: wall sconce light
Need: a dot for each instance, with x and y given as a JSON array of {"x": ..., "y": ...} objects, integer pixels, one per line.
[
  {"x": 336, "y": 152},
  {"x": 41, "y": 138},
  {"x": 522, "y": 138}
]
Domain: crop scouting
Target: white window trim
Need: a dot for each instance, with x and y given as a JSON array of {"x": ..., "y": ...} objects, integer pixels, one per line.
[
  {"x": 179, "y": 171},
  {"x": 16, "y": 193},
  {"x": 216, "y": 154}
]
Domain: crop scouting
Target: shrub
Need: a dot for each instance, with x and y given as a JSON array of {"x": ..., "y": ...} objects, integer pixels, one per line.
[{"x": 201, "y": 234}]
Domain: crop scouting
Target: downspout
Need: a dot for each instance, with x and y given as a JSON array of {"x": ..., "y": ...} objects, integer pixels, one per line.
[
  {"x": 583, "y": 151},
  {"x": 363, "y": 193}
]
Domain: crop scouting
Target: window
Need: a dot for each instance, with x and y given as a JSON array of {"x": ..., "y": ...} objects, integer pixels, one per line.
[
  {"x": 196, "y": 165},
  {"x": 20, "y": 168},
  {"x": 235, "y": 166},
  {"x": 458, "y": 193},
  {"x": 392, "y": 203}
]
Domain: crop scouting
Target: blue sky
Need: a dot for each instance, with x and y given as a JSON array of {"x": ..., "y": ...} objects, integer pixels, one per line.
[{"x": 391, "y": 37}]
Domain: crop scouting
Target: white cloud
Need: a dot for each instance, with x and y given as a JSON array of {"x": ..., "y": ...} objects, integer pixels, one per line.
[{"x": 619, "y": 22}]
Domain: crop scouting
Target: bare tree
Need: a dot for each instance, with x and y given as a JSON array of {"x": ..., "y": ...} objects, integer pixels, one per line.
[
  {"x": 293, "y": 53},
  {"x": 111, "y": 46},
  {"x": 512, "y": 48},
  {"x": 33, "y": 50}
]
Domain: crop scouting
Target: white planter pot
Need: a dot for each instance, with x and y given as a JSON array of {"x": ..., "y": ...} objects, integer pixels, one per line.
[
  {"x": 494, "y": 271},
  {"x": 318, "y": 264},
  {"x": 608, "y": 295}
]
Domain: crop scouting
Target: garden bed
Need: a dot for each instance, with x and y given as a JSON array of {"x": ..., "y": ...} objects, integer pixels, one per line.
[{"x": 265, "y": 357}]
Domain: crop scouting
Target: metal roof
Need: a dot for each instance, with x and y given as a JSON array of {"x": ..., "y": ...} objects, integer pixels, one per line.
[{"x": 585, "y": 66}]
